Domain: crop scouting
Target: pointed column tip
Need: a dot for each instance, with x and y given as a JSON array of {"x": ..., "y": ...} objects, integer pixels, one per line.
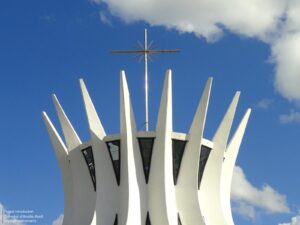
[
  {"x": 248, "y": 112},
  {"x": 56, "y": 103},
  {"x": 82, "y": 85},
  {"x": 94, "y": 122},
  {"x": 47, "y": 120},
  {"x": 235, "y": 101},
  {"x": 209, "y": 82},
  {"x": 236, "y": 96},
  {"x": 122, "y": 75},
  {"x": 57, "y": 142},
  {"x": 123, "y": 81},
  {"x": 44, "y": 114},
  {"x": 71, "y": 137},
  {"x": 54, "y": 98},
  {"x": 168, "y": 74}
]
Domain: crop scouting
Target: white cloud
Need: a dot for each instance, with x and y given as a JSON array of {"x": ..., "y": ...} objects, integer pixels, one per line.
[
  {"x": 6, "y": 218},
  {"x": 248, "y": 199},
  {"x": 104, "y": 18},
  {"x": 253, "y": 18},
  {"x": 264, "y": 103},
  {"x": 59, "y": 220},
  {"x": 294, "y": 220},
  {"x": 293, "y": 116},
  {"x": 286, "y": 55},
  {"x": 275, "y": 22},
  {"x": 244, "y": 209}
]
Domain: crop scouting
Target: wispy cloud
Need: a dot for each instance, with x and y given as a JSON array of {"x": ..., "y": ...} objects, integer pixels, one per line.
[
  {"x": 264, "y": 103},
  {"x": 294, "y": 220},
  {"x": 104, "y": 17},
  {"x": 244, "y": 209},
  {"x": 59, "y": 220},
  {"x": 292, "y": 117},
  {"x": 248, "y": 199},
  {"x": 275, "y": 22}
]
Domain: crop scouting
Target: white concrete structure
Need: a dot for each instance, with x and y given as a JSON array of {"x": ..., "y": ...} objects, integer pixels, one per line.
[{"x": 141, "y": 178}]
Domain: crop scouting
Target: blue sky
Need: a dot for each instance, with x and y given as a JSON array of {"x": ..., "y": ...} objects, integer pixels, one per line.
[{"x": 46, "y": 46}]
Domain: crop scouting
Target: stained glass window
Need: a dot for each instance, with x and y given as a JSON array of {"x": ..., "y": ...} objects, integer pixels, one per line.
[
  {"x": 204, "y": 155},
  {"x": 178, "y": 149},
  {"x": 89, "y": 159},
  {"x": 146, "y": 146},
  {"x": 114, "y": 148}
]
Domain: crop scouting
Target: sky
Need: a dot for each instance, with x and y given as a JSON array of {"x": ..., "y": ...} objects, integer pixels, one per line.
[{"x": 249, "y": 46}]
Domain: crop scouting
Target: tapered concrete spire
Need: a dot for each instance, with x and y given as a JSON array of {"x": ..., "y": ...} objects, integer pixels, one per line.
[
  {"x": 57, "y": 142},
  {"x": 188, "y": 205},
  {"x": 162, "y": 197},
  {"x": 209, "y": 193},
  {"x": 65, "y": 168},
  {"x": 107, "y": 191},
  {"x": 71, "y": 137},
  {"x": 222, "y": 133},
  {"x": 91, "y": 113},
  {"x": 78, "y": 208},
  {"x": 132, "y": 186},
  {"x": 230, "y": 157}
]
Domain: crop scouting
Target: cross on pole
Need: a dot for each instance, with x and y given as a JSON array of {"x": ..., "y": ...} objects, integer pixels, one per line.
[{"x": 145, "y": 51}]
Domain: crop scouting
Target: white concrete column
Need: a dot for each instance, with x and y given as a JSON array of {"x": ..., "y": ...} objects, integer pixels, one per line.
[
  {"x": 107, "y": 188},
  {"x": 230, "y": 157},
  {"x": 187, "y": 182},
  {"x": 132, "y": 184},
  {"x": 62, "y": 157},
  {"x": 84, "y": 195},
  {"x": 162, "y": 197},
  {"x": 210, "y": 192}
]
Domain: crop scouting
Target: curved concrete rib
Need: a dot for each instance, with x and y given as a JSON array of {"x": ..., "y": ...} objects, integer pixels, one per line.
[
  {"x": 228, "y": 167},
  {"x": 65, "y": 168},
  {"x": 162, "y": 200},
  {"x": 83, "y": 210},
  {"x": 83, "y": 205},
  {"x": 84, "y": 198},
  {"x": 188, "y": 204},
  {"x": 209, "y": 193},
  {"x": 107, "y": 188},
  {"x": 132, "y": 186},
  {"x": 71, "y": 137}
]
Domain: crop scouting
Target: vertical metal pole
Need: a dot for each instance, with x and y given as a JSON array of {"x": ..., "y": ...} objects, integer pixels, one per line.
[{"x": 146, "y": 82}]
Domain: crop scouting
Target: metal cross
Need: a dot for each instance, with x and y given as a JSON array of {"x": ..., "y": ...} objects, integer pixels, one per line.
[{"x": 145, "y": 51}]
